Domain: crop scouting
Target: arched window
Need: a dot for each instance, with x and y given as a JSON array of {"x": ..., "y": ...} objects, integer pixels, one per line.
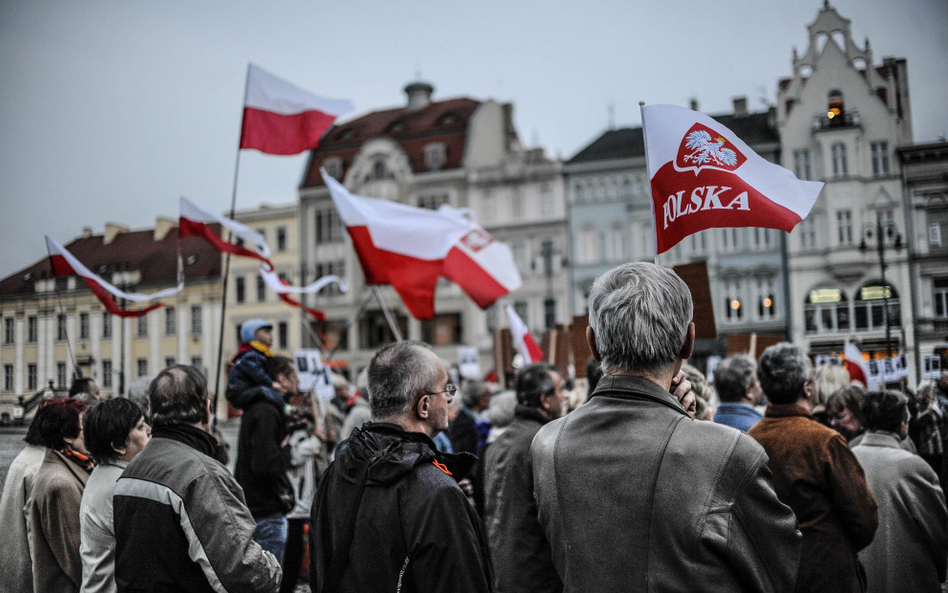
[
  {"x": 870, "y": 307},
  {"x": 378, "y": 170},
  {"x": 835, "y": 108},
  {"x": 826, "y": 310}
]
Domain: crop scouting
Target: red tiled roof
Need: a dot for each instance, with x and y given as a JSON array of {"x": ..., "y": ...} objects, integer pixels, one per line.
[
  {"x": 440, "y": 121},
  {"x": 157, "y": 261}
]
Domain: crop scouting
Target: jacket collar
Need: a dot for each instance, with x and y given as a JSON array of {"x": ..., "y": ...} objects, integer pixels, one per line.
[
  {"x": 528, "y": 413},
  {"x": 881, "y": 439},
  {"x": 786, "y": 410},
  {"x": 632, "y": 387}
]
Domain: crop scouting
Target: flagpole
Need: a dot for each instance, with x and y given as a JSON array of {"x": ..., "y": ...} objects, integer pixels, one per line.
[
  {"x": 387, "y": 313},
  {"x": 648, "y": 171},
  {"x": 233, "y": 209}
]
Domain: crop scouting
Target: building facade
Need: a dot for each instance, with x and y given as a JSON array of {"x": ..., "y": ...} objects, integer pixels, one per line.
[
  {"x": 841, "y": 117},
  {"x": 55, "y": 329},
  {"x": 460, "y": 152}
]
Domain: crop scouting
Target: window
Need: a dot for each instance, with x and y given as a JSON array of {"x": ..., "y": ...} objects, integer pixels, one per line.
[
  {"x": 761, "y": 238},
  {"x": 335, "y": 335},
  {"x": 141, "y": 367},
  {"x": 835, "y": 110},
  {"x": 106, "y": 325},
  {"x": 106, "y": 373},
  {"x": 432, "y": 202},
  {"x": 826, "y": 310},
  {"x": 283, "y": 335},
  {"x": 169, "y": 361},
  {"x": 141, "y": 326},
  {"x": 516, "y": 204},
  {"x": 281, "y": 239},
  {"x": 171, "y": 322},
  {"x": 699, "y": 243},
  {"x": 840, "y": 165},
  {"x": 333, "y": 166},
  {"x": 240, "y": 287},
  {"x": 870, "y": 309},
  {"x": 549, "y": 313},
  {"x": 844, "y": 227},
  {"x": 327, "y": 226},
  {"x": 808, "y": 233},
  {"x": 196, "y": 326},
  {"x": 443, "y": 329},
  {"x": 374, "y": 330},
  {"x": 31, "y": 329},
  {"x": 801, "y": 164},
  {"x": 8, "y": 330},
  {"x": 588, "y": 248},
  {"x": 547, "y": 206},
  {"x": 83, "y": 326},
  {"x": 8, "y": 377},
  {"x": 616, "y": 243},
  {"x": 198, "y": 363},
  {"x": 934, "y": 235},
  {"x": 261, "y": 289},
  {"x": 378, "y": 170},
  {"x": 733, "y": 303},
  {"x": 32, "y": 380},
  {"x": 520, "y": 308},
  {"x": 729, "y": 239},
  {"x": 880, "y": 158},
  {"x": 435, "y": 156},
  {"x": 940, "y": 296},
  {"x": 578, "y": 193},
  {"x": 519, "y": 251},
  {"x": 488, "y": 207},
  {"x": 547, "y": 252},
  {"x": 61, "y": 374},
  {"x": 61, "y": 327},
  {"x": 766, "y": 305}
]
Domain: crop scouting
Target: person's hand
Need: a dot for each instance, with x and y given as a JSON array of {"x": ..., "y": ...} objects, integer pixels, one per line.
[{"x": 681, "y": 389}]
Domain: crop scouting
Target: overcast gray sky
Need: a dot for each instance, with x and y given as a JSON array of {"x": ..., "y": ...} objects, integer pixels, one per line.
[{"x": 110, "y": 110}]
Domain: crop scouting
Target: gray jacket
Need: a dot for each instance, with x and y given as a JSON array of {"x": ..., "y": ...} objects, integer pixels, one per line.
[
  {"x": 97, "y": 547},
  {"x": 634, "y": 495}
]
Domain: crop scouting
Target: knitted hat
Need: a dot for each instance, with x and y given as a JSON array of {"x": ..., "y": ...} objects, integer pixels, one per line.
[{"x": 249, "y": 329}]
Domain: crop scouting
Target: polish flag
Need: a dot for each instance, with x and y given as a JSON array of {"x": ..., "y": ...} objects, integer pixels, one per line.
[
  {"x": 66, "y": 264},
  {"x": 284, "y": 289},
  {"x": 195, "y": 222},
  {"x": 855, "y": 363},
  {"x": 280, "y": 118},
  {"x": 522, "y": 340},
  {"x": 410, "y": 248},
  {"x": 703, "y": 176}
]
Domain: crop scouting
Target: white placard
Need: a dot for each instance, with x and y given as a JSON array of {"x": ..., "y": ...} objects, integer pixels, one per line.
[
  {"x": 932, "y": 367},
  {"x": 469, "y": 364},
  {"x": 713, "y": 361},
  {"x": 314, "y": 375}
]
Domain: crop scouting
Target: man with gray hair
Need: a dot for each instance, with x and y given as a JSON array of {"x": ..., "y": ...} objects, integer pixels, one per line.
[
  {"x": 815, "y": 473},
  {"x": 735, "y": 381},
  {"x": 389, "y": 514},
  {"x": 180, "y": 520},
  {"x": 633, "y": 494}
]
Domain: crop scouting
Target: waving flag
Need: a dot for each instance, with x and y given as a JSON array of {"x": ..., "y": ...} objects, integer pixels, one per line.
[
  {"x": 65, "y": 264},
  {"x": 855, "y": 363},
  {"x": 522, "y": 340},
  {"x": 410, "y": 248},
  {"x": 284, "y": 289},
  {"x": 195, "y": 222},
  {"x": 703, "y": 176},
  {"x": 280, "y": 118}
]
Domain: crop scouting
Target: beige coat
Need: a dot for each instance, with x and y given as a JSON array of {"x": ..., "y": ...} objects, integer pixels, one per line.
[
  {"x": 54, "y": 517},
  {"x": 16, "y": 569}
]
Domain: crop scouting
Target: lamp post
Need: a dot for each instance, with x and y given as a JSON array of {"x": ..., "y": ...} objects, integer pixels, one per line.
[{"x": 883, "y": 231}]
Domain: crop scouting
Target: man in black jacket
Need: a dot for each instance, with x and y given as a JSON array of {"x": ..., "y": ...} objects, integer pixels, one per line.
[
  {"x": 521, "y": 554},
  {"x": 261, "y": 461},
  {"x": 389, "y": 514}
]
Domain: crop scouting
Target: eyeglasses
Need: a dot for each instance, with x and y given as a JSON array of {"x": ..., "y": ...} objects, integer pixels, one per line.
[{"x": 450, "y": 389}]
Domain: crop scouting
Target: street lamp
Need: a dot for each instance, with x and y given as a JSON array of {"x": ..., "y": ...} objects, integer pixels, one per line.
[{"x": 883, "y": 232}]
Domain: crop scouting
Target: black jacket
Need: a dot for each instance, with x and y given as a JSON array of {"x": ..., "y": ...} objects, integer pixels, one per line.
[
  {"x": 261, "y": 461},
  {"x": 521, "y": 554},
  {"x": 389, "y": 516}
]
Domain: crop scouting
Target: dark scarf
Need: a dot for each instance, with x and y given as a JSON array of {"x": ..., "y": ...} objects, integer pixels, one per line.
[
  {"x": 191, "y": 436},
  {"x": 79, "y": 459}
]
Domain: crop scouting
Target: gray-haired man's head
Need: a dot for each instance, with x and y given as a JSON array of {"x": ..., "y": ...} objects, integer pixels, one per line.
[{"x": 397, "y": 373}]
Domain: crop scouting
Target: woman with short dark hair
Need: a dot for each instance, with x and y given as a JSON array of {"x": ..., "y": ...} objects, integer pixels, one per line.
[
  {"x": 57, "y": 493},
  {"x": 115, "y": 433}
]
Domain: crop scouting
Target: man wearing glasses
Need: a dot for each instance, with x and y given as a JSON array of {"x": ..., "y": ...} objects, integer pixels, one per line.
[{"x": 389, "y": 514}]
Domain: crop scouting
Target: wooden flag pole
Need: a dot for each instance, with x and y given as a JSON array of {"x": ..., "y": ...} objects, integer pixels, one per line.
[{"x": 387, "y": 313}]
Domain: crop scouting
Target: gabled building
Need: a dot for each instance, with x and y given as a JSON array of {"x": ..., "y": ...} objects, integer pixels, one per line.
[
  {"x": 461, "y": 152},
  {"x": 841, "y": 117},
  {"x": 55, "y": 328},
  {"x": 611, "y": 223}
]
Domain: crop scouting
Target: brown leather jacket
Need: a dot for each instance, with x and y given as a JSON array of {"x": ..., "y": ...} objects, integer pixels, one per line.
[
  {"x": 636, "y": 496},
  {"x": 816, "y": 473}
]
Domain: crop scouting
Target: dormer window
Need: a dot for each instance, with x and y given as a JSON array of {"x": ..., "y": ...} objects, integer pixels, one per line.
[
  {"x": 435, "y": 156},
  {"x": 345, "y": 134},
  {"x": 333, "y": 166},
  {"x": 378, "y": 170},
  {"x": 396, "y": 126},
  {"x": 447, "y": 119},
  {"x": 835, "y": 110}
]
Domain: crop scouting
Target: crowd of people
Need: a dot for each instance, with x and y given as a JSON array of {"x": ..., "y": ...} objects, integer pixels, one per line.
[{"x": 774, "y": 476}]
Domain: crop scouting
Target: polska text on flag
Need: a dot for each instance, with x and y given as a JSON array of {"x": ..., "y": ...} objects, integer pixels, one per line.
[
  {"x": 703, "y": 176},
  {"x": 280, "y": 118}
]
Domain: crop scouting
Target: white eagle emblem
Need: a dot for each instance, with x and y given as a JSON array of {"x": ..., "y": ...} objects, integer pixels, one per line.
[{"x": 705, "y": 150}]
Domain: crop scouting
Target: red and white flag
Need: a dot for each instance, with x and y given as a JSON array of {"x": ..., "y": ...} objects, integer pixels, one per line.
[
  {"x": 284, "y": 289},
  {"x": 409, "y": 248},
  {"x": 703, "y": 176},
  {"x": 855, "y": 363},
  {"x": 195, "y": 222},
  {"x": 522, "y": 340},
  {"x": 66, "y": 264},
  {"x": 280, "y": 118}
]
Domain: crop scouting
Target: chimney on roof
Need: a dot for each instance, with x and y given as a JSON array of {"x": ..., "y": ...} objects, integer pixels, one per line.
[
  {"x": 112, "y": 230},
  {"x": 86, "y": 232},
  {"x": 419, "y": 95},
  {"x": 163, "y": 224},
  {"x": 740, "y": 106},
  {"x": 694, "y": 104}
]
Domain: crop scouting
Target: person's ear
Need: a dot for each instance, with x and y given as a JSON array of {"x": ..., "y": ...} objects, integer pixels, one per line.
[
  {"x": 207, "y": 411},
  {"x": 591, "y": 340},
  {"x": 422, "y": 407},
  {"x": 689, "y": 345}
]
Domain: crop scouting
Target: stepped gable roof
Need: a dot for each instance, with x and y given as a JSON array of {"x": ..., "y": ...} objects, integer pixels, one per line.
[
  {"x": 439, "y": 121},
  {"x": 137, "y": 251},
  {"x": 624, "y": 143}
]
